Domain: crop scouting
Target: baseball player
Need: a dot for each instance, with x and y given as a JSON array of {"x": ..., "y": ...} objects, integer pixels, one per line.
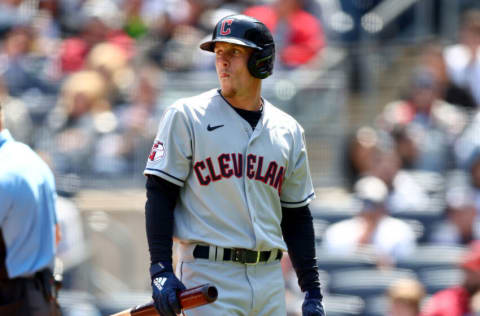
[{"x": 228, "y": 178}]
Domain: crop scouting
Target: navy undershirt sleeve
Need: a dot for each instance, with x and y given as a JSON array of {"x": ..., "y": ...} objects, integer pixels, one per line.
[
  {"x": 162, "y": 196},
  {"x": 298, "y": 233}
]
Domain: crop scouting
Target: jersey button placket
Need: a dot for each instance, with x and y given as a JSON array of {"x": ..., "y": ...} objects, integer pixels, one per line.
[
  {"x": 251, "y": 206},
  {"x": 249, "y": 190}
]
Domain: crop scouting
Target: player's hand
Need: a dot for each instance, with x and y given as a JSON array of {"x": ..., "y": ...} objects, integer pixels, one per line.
[
  {"x": 312, "y": 305},
  {"x": 165, "y": 288}
]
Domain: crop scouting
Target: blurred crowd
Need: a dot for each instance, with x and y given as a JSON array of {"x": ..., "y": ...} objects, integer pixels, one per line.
[
  {"x": 81, "y": 83},
  {"x": 81, "y": 80},
  {"x": 413, "y": 178}
]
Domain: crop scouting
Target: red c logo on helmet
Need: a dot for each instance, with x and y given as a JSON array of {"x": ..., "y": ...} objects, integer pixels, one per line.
[{"x": 225, "y": 29}]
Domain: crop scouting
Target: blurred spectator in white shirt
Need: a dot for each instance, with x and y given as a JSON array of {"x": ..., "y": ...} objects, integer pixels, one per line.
[
  {"x": 405, "y": 194},
  {"x": 372, "y": 229},
  {"x": 432, "y": 57},
  {"x": 463, "y": 58},
  {"x": 461, "y": 225}
]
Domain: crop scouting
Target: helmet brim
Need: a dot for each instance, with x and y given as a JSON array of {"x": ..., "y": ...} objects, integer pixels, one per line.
[{"x": 210, "y": 45}]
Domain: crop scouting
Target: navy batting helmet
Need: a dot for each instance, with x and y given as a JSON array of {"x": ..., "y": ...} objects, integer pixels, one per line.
[{"x": 246, "y": 31}]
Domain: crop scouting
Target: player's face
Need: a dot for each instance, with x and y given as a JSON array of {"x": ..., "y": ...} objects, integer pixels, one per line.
[{"x": 231, "y": 63}]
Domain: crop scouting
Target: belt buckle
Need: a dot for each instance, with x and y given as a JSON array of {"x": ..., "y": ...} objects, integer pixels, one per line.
[
  {"x": 256, "y": 261},
  {"x": 238, "y": 255},
  {"x": 241, "y": 255}
]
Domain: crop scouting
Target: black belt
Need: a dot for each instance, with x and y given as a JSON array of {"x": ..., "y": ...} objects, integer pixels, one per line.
[
  {"x": 244, "y": 256},
  {"x": 14, "y": 290},
  {"x": 43, "y": 279}
]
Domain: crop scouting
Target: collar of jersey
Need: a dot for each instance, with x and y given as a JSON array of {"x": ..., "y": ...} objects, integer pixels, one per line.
[{"x": 261, "y": 109}]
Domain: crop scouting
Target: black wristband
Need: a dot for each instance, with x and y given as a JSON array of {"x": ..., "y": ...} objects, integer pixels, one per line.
[
  {"x": 314, "y": 293},
  {"x": 159, "y": 267}
]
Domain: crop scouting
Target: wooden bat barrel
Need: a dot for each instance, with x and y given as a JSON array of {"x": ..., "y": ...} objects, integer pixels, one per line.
[{"x": 189, "y": 298}]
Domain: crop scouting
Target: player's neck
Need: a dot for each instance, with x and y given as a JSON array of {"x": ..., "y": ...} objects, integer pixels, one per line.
[{"x": 249, "y": 102}]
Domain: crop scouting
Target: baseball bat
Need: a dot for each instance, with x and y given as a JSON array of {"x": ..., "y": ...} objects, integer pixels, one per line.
[{"x": 189, "y": 298}]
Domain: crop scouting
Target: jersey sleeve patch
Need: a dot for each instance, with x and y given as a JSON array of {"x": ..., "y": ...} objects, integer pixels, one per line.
[
  {"x": 157, "y": 152},
  {"x": 170, "y": 156}
]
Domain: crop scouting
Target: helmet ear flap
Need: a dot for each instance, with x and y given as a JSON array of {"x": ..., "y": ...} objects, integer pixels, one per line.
[{"x": 260, "y": 63}]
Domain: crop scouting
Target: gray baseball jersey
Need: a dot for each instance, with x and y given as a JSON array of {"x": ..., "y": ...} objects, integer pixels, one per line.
[{"x": 234, "y": 180}]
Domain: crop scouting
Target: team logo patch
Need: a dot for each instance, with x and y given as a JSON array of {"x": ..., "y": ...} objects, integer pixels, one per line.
[
  {"x": 225, "y": 28},
  {"x": 158, "y": 151}
]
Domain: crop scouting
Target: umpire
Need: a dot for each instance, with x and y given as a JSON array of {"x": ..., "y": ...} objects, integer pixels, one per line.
[{"x": 28, "y": 230}]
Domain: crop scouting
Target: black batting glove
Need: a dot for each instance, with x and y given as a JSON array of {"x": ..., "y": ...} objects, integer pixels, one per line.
[
  {"x": 312, "y": 305},
  {"x": 165, "y": 288}
]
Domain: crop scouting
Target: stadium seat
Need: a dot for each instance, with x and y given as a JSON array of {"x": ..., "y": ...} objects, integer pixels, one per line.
[
  {"x": 343, "y": 305},
  {"x": 428, "y": 218},
  {"x": 430, "y": 256},
  {"x": 366, "y": 282},
  {"x": 376, "y": 306},
  {"x": 436, "y": 279},
  {"x": 331, "y": 263},
  {"x": 332, "y": 213}
]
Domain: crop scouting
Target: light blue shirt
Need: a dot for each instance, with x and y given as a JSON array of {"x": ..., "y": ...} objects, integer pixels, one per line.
[{"x": 27, "y": 208}]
